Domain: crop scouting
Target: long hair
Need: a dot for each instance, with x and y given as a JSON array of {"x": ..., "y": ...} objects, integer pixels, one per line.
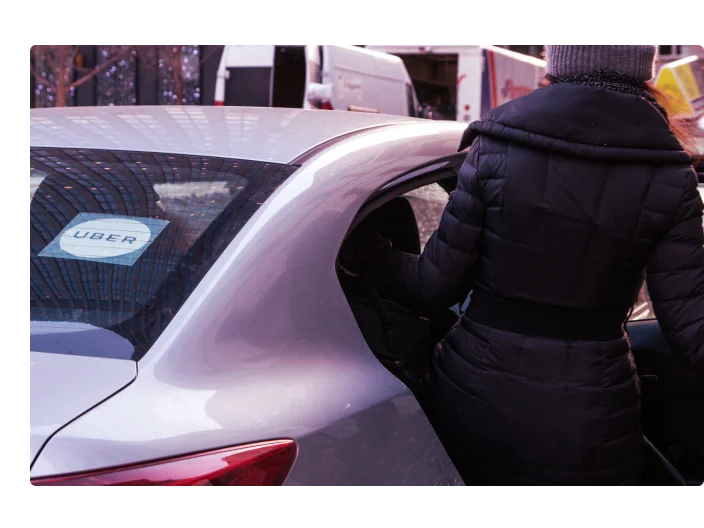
[{"x": 682, "y": 127}]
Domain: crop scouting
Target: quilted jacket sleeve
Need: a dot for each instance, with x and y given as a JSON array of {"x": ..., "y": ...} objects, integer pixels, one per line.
[
  {"x": 675, "y": 277},
  {"x": 442, "y": 275}
]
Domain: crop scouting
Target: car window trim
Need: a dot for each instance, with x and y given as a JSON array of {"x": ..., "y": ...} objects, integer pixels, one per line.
[
  {"x": 453, "y": 161},
  {"x": 410, "y": 180}
]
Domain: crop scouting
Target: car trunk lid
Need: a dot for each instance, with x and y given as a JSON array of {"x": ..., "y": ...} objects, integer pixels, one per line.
[{"x": 62, "y": 387}]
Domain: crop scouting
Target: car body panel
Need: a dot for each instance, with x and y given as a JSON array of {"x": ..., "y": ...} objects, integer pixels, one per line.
[
  {"x": 77, "y": 339},
  {"x": 278, "y": 135},
  {"x": 267, "y": 346},
  {"x": 63, "y": 387}
]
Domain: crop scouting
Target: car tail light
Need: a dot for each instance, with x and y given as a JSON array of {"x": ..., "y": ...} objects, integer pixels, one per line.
[{"x": 261, "y": 464}]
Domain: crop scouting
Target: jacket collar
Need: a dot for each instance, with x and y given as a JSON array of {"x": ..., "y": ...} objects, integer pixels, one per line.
[{"x": 583, "y": 121}]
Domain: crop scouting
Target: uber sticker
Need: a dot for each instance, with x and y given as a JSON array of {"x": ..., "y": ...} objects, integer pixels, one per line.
[{"x": 113, "y": 239}]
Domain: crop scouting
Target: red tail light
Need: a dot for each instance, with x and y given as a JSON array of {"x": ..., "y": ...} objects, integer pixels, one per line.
[
  {"x": 326, "y": 106},
  {"x": 262, "y": 464}
]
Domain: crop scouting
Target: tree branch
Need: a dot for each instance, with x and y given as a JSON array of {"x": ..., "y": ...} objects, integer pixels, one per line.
[
  {"x": 74, "y": 52},
  {"x": 50, "y": 61},
  {"x": 99, "y": 69},
  {"x": 39, "y": 78}
]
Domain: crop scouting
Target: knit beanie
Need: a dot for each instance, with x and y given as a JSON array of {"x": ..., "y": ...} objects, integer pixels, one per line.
[{"x": 635, "y": 62}]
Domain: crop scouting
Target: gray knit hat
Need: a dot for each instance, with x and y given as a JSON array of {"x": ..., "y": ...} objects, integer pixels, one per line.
[{"x": 636, "y": 62}]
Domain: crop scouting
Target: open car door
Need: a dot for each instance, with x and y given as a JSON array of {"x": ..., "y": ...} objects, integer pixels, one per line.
[{"x": 672, "y": 402}]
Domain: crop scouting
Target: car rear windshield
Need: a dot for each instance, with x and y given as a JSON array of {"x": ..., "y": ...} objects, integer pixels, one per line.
[{"x": 120, "y": 239}]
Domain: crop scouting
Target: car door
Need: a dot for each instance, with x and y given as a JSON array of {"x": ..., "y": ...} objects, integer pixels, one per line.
[{"x": 672, "y": 400}]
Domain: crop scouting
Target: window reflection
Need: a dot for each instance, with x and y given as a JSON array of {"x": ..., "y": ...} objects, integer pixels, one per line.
[
  {"x": 428, "y": 203},
  {"x": 206, "y": 200}
]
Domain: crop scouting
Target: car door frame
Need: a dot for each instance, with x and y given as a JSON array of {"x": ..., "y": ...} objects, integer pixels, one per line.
[{"x": 421, "y": 176}]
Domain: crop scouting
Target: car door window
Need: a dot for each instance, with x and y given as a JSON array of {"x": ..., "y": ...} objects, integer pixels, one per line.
[
  {"x": 428, "y": 203},
  {"x": 643, "y": 309}
]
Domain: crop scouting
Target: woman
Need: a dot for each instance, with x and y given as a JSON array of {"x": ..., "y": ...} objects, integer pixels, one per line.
[{"x": 566, "y": 197}]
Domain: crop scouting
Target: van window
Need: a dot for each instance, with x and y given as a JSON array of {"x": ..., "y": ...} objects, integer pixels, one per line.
[
  {"x": 248, "y": 86},
  {"x": 289, "y": 82}
]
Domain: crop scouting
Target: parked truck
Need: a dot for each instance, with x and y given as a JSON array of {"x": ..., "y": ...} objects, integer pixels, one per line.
[{"x": 465, "y": 82}]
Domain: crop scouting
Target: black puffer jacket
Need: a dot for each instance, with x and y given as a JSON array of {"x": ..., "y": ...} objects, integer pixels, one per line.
[{"x": 566, "y": 197}]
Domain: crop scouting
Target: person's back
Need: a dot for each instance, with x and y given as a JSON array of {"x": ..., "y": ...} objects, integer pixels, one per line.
[
  {"x": 567, "y": 197},
  {"x": 581, "y": 185}
]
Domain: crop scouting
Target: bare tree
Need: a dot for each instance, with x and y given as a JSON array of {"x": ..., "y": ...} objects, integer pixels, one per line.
[
  {"x": 172, "y": 62},
  {"x": 64, "y": 71},
  {"x": 58, "y": 77},
  {"x": 172, "y": 58}
]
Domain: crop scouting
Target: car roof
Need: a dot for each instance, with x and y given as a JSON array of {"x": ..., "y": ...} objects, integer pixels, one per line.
[{"x": 277, "y": 135}]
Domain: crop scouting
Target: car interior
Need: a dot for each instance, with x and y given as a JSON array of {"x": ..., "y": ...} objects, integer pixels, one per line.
[
  {"x": 401, "y": 338},
  {"x": 672, "y": 392},
  {"x": 672, "y": 407}
]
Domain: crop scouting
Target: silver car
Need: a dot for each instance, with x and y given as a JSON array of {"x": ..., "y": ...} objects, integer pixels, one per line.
[{"x": 189, "y": 324}]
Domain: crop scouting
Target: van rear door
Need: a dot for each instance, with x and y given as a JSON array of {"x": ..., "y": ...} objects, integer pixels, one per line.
[{"x": 365, "y": 79}]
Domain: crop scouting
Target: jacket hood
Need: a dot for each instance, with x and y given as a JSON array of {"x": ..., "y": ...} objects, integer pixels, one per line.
[{"x": 583, "y": 121}]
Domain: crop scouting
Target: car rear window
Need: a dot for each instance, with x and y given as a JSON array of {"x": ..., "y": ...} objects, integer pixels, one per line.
[{"x": 120, "y": 239}]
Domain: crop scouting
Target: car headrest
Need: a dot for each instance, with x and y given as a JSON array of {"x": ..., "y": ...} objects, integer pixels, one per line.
[{"x": 396, "y": 221}]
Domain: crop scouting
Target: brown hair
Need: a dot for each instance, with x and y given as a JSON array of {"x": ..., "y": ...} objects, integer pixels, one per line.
[{"x": 682, "y": 127}]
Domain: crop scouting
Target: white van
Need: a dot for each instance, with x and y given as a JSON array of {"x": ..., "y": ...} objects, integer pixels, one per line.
[
  {"x": 324, "y": 77},
  {"x": 487, "y": 75}
]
